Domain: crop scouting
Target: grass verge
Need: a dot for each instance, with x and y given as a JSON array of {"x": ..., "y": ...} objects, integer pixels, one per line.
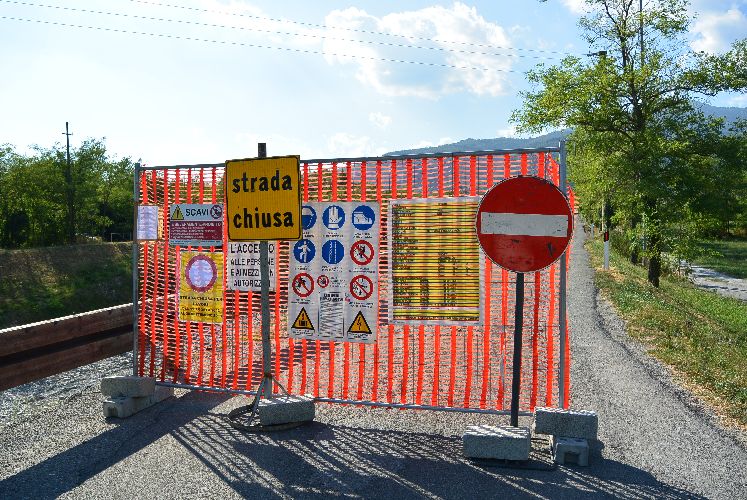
[
  {"x": 44, "y": 283},
  {"x": 732, "y": 258},
  {"x": 701, "y": 335}
]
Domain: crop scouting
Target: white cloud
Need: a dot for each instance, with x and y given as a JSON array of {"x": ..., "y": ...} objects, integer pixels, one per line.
[
  {"x": 715, "y": 31},
  {"x": 343, "y": 144},
  {"x": 450, "y": 34},
  {"x": 509, "y": 131},
  {"x": 577, "y": 7},
  {"x": 380, "y": 120},
  {"x": 739, "y": 100}
]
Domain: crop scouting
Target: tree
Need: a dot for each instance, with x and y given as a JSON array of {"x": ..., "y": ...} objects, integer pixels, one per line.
[
  {"x": 34, "y": 203},
  {"x": 633, "y": 114}
]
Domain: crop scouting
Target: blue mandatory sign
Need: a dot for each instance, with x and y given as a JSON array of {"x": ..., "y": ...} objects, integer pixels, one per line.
[
  {"x": 304, "y": 251},
  {"x": 333, "y": 217},
  {"x": 308, "y": 217},
  {"x": 333, "y": 252},
  {"x": 363, "y": 217}
]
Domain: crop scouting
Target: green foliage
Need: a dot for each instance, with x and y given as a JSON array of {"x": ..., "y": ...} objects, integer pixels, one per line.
[
  {"x": 33, "y": 202},
  {"x": 639, "y": 145},
  {"x": 44, "y": 283},
  {"x": 707, "y": 345}
]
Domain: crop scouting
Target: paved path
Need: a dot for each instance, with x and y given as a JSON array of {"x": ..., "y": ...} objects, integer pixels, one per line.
[
  {"x": 720, "y": 283},
  {"x": 654, "y": 442}
]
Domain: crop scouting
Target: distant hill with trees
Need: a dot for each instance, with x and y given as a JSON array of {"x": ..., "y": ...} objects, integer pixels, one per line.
[{"x": 729, "y": 114}]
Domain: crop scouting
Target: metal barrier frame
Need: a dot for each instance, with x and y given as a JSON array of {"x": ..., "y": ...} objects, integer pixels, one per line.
[{"x": 562, "y": 295}]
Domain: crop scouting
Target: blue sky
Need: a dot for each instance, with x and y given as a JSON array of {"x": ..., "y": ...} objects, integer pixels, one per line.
[{"x": 281, "y": 72}]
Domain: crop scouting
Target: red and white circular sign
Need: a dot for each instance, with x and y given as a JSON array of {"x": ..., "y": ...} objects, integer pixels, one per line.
[
  {"x": 200, "y": 273},
  {"x": 303, "y": 284},
  {"x": 361, "y": 287},
  {"x": 524, "y": 224},
  {"x": 362, "y": 252}
]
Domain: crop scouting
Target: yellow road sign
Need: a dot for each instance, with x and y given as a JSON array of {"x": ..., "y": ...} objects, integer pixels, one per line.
[{"x": 263, "y": 198}]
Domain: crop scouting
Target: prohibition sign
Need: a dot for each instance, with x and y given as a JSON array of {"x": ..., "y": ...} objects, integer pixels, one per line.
[
  {"x": 323, "y": 281},
  {"x": 200, "y": 273},
  {"x": 303, "y": 284},
  {"x": 361, "y": 287},
  {"x": 524, "y": 224},
  {"x": 362, "y": 252}
]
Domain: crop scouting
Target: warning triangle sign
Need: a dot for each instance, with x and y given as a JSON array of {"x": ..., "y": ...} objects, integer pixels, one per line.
[
  {"x": 177, "y": 215},
  {"x": 359, "y": 324},
  {"x": 303, "y": 322}
]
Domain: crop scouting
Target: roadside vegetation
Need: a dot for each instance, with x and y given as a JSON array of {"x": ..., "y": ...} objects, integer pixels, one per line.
[
  {"x": 643, "y": 157},
  {"x": 46, "y": 201},
  {"x": 44, "y": 283},
  {"x": 728, "y": 256},
  {"x": 701, "y": 335}
]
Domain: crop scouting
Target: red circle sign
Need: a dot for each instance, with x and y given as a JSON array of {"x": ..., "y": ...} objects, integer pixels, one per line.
[
  {"x": 200, "y": 273},
  {"x": 361, "y": 287},
  {"x": 303, "y": 284},
  {"x": 524, "y": 224},
  {"x": 362, "y": 252}
]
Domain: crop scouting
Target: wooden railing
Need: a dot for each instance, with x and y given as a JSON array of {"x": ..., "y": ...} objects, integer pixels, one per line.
[{"x": 37, "y": 350}]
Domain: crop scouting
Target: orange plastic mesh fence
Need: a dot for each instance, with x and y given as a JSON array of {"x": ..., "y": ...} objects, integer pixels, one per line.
[{"x": 458, "y": 366}]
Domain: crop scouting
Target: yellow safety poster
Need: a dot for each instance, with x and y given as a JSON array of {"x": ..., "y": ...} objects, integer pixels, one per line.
[{"x": 201, "y": 287}]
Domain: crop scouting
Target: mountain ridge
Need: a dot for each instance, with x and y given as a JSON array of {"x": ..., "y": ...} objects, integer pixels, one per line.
[{"x": 551, "y": 139}]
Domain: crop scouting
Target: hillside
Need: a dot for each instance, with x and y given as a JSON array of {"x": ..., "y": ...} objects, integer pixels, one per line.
[
  {"x": 729, "y": 114},
  {"x": 44, "y": 283}
]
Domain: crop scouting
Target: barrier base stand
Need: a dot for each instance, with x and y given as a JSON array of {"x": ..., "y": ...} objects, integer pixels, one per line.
[{"x": 259, "y": 416}]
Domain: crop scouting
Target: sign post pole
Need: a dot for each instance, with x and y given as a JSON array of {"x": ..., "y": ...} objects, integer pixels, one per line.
[
  {"x": 264, "y": 276},
  {"x": 518, "y": 328},
  {"x": 524, "y": 224},
  {"x": 263, "y": 203}
]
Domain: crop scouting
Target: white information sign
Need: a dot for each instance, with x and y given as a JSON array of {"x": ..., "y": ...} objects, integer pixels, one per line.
[
  {"x": 334, "y": 273},
  {"x": 242, "y": 269},
  {"x": 147, "y": 222}
]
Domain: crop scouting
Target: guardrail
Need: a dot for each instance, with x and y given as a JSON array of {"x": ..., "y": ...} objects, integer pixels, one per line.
[{"x": 37, "y": 350}]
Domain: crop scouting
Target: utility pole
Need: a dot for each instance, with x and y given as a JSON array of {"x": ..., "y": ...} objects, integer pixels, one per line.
[{"x": 69, "y": 191}]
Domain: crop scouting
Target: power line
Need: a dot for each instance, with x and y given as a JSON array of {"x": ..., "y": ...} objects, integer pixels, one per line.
[
  {"x": 307, "y": 35},
  {"x": 254, "y": 45},
  {"x": 356, "y": 30}
]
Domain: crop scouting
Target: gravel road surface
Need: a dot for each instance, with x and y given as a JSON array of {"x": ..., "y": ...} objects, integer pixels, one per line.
[
  {"x": 720, "y": 283},
  {"x": 655, "y": 441}
]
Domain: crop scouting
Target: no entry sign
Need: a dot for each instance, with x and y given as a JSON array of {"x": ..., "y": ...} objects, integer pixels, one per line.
[{"x": 524, "y": 224}]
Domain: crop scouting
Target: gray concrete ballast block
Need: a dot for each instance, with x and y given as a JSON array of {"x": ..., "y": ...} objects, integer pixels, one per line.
[
  {"x": 569, "y": 450},
  {"x": 569, "y": 423},
  {"x": 503, "y": 443},
  {"x": 286, "y": 410},
  {"x": 123, "y": 407},
  {"x": 127, "y": 386}
]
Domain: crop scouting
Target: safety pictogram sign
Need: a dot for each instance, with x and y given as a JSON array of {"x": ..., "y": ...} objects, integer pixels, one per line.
[
  {"x": 361, "y": 287},
  {"x": 334, "y": 271},
  {"x": 524, "y": 224},
  {"x": 359, "y": 324},
  {"x": 303, "y": 284},
  {"x": 362, "y": 252},
  {"x": 196, "y": 224},
  {"x": 200, "y": 287},
  {"x": 303, "y": 322}
]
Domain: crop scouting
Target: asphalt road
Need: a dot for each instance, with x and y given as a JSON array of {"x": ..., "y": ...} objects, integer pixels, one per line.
[{"x": 655, "y": 441}]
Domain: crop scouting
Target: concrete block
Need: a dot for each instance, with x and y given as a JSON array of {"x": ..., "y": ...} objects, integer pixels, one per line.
[
  {"x": 128, "y": 387},
  {"x": 504, "y": 443},
  {"x": 570, "y": 423},
  {"x": 123, "y": 407},
  {"x": 285, "y": 409},
  {"x": 569, "y": 450}
]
